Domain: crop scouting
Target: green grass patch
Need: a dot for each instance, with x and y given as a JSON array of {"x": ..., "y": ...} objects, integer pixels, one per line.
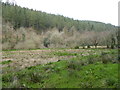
[
  {"x": 6, "y": 62},
  {"x": 65, "y": 74},
  {"x": 91, "y": 71}
]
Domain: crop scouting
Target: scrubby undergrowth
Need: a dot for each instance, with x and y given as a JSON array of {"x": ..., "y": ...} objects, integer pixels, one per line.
[
  {"x": 81, "y": 71},
  {"x": 29, "y": 38}
]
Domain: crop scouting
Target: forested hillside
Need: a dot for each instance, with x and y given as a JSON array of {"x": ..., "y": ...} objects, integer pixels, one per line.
[
  {"x": 25, "y": 28},
  {"x": 24, "y": 17}
]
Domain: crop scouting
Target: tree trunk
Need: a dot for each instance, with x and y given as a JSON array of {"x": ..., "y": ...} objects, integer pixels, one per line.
[
  {"x": 108, "y": 46},
  {"x": 83, "y": 47},
  {"x": 88, "y": 46},
  {"x": 112, "y": 46}
]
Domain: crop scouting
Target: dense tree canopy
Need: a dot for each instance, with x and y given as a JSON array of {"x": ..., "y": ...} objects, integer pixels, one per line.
[{"x": 24, "y": 17}]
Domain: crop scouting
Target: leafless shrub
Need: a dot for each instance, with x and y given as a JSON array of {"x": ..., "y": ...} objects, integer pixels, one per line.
[
  {"x": 105, "y": 58},
  {"x": 28, "y": 38}
]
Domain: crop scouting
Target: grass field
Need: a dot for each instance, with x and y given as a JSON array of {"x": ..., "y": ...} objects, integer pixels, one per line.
[{"x": 60, "y": 68}]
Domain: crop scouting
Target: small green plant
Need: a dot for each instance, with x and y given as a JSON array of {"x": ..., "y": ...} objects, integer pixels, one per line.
[
  {"x": 48, "y": 68},
  {"x": 6, "y": 62},
  {"x": 83, "y": 62},
  {"x": 104, "y": 58},
  {"x": 36, "y": 77},
  {"x": 91, "y": 60},
  {"x": 46, "y": 42},
  {"x": 74, "y": 65},
  {"x": 110, "y": 81}
]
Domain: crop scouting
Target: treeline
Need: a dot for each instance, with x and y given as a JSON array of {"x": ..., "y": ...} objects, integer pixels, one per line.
[
  {"x": 25, "y": 28},
  {"x": 28, "y": 38},
  {"x": 24, "y": 17}
]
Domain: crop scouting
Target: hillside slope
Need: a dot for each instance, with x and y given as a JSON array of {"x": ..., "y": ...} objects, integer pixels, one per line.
[
  {"x": 25, "y": 28},
  {"x": 24, "y": 17}
]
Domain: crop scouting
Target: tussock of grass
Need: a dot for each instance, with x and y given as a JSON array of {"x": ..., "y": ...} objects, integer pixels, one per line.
[{"x": 6, "y": 62}]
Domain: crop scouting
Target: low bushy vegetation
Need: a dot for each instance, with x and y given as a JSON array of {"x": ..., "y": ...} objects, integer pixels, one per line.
[
  {"x": 80, "y": 71},
  {"x": 6, "y": 62},
  {"x": 28, "y": 38}
]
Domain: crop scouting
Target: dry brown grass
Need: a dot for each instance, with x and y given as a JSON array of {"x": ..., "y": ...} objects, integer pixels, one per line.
[{"x": 26, "y": 58}]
